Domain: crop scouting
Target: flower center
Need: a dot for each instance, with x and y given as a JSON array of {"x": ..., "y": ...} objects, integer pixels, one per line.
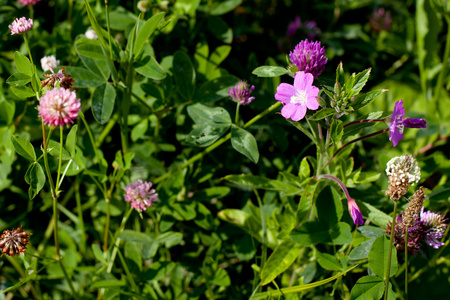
[{"x": 300, "y": 97}]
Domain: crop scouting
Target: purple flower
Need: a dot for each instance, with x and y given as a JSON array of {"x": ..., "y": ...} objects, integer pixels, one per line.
[
  {"x": 59, "y": 107},
  {"x": 309, "y": 57},
  {"x": 240, "y": 93},
  {"x": 435, "y": 227},
  {"x": 298, "y": 97},
  {"x": 397, "y": 123},
  {"x": 140, "y": 194},
  {"x": 28, "y": 2},
  {"x": 293, "y": 27},
  {"x": 355, "y": 212},
  {"x": 20, "y": 25}
]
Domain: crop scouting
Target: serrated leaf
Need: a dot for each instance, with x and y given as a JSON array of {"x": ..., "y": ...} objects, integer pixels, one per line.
[
  {"x": 269, "y": 71},
  {"x": 245, "y": 143},
  {"x": 280, "y": 259},
  {"x": 362, "y": 100},
  {"x": 23, "y": 147},
  {"x": 322, "y": 114}
]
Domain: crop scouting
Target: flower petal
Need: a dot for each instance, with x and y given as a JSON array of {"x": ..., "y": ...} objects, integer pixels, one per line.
[
  {"x": 303, "y": 80},
  {"x": 288, "y": 110},
  {"x": 299, "y": 113},
  {"x": 284, "y": 93}
]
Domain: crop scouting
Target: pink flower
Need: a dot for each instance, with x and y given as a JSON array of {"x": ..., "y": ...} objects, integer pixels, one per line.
[
  {"x": 298, "y": 97},
  {"x": 355, "y": 212},
  {"x": 20, "y": 25},
  {"x": 59, "y": 107},
  {"x": 28, "y": 2},
  {"x": 240, "y": 93},
  {"x": 140, "y": 194}
]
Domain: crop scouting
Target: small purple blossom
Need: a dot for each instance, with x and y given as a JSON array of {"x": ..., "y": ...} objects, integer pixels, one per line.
[
  {"x": 435, "y": 227},
  {"x": 355, "y": 212},
  {"x": 309, "y": 57},
  {"x": 240, "y": 93},
  {"x": 28, "y": 2},
  {"x": 397, "y": 124},
  {"x": 140, "y": 194},
  {"x": 293, "y": 27},
  {"x": 59, "y": 107},
  {"x": 298, "y": 97},
  {"x": 21, "y": 25}
]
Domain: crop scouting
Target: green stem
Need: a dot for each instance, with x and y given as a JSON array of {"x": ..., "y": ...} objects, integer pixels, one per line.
[
  {"x": 107, "y": 129},
  {"x": 108, "y": 212},
  {"x": 128, "y": 273},
  {"x": 80, "y": 217},
  {"x": 91, "y": 137},
  {"x": 117, "y": 239},
  {"x": 58, "y": 175},
  {"x": 406, "y": 262},
  {"x": 364, "y": 121},
  {"x": 109, "y": 30},
  {"x": 391, "y": 242},
  {"x": 443, "y": 72},
  {"x": 23, "y": 275},
  {"x": 47, "y": 168},
  {"x": 28, "y": 48},
  {"x": 354, "y": 141},
  {"x": 216, "y": 144},
  {"x": 236, "y": 117},
  {"x": 69, "y": 281}
]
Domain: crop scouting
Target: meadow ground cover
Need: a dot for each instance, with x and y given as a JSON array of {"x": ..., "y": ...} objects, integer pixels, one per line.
[{"x": 206, "y": 149}]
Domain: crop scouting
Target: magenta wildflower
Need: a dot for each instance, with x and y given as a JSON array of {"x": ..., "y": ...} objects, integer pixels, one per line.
[
  {"x": 20, "y": 25},
  {"x": 298, "y": 97},
  {"x": 140, "y": 194},
  {"x": 28, "y": 2},
  {"x": 435, "y": 226},
  {"x": 355, "y": 212},
  {"x": 240, "y": 93},
  {"x": 59, "y": 107},
  {"x": 397, "y": 124},
  {"x": 309, "y": 57}
]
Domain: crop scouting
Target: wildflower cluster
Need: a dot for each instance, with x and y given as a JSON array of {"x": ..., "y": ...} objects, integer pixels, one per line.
[
  {"x": 140, "y": 194},
  {"x": 240, "y": 93},
  {"x": 423, "y": 227},
  {"x": 59, "y": 107},
  {"x": 402, "y": 171},
  {"x": 21, "y": 25}
]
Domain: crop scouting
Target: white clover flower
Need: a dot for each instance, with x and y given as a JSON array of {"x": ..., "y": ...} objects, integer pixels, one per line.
[
  {"x": 90, "y": 34},
  {"x": 403, "y": 169},
  {"x": 48, "y": 63}
]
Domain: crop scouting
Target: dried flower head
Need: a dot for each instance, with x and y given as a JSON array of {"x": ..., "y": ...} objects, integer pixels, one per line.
[
  {"x": 240, "y": 93},
  {"x": 91, "y": 34},
  {"x": 14, "y": 241},
  {"x": 412, "y": 212},
  {"x": 49, "y": 63},
  {"x": 397, "y": 124},
  {"x": 28, "y": 2},
  {"x": 21, "y": 25},
  {"x": 140, "y": 194},
  {"x": 65, "y": 80},
  {"x": 59, "y": 107},
  {"x": 309, "y": 57},
  {"x": 402, "y": 171},
  {"x": 144, "y": 5}
]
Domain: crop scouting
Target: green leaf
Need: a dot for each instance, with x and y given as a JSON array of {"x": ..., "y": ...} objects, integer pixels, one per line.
[
  {"x": 18, "y": 79},
  {"x": 304, "y": 206},
  {"x": 378, "y": 257},
  {"x": 107, "y": 283},
  {"x": 89, "y": 48},
  {"x": 245, "y": 143},
  {"x": 22, "y": 92},
  {"x": 329, "y": 206},
  {"x": 53, "y": 148},
  {"x": 133, "y": 254},
  {"x": 149, "y": 67},
  {"x": 258, "y": 182},
  {"x": 341, "y": 234},
  {"x": 223, "y": 7},
  {"x": 300, "y": 127},
  {"x": 328, "y": 262},
  {"x": 221, "y": 278},
  {"x": 71, "y": 140},
  {"x": 7, "y": 110},
  {"x": 269, "y": 71},
  {"x": 146, "y": 31},
  {"x": 322, "y": 114},
  {"x": 182, "y": 212},
  {"x": 135, "y": 236},
  {"x": 35, "y": 177},
  {"x": 304, "y": 170},
  {"x": 103, "y": 100},
  {"x": 184, "y": 75},
  {"x": 204, "y": 217},
  {"x": 23, "y": 64},
  {"x": 360, "y": 81},
  {"x": 337, "y": 130},
  {"x": 362, "y": 100},
  {"x": 216, "y": 89},
  {"x": 220, "y": 29},
  {"x": 370, "y": 231},
  {"x": 310, "y": 233},
  {"x": 84, "y": 78},
  {"x": 98, "y": 254},
  {"x": 362, "y": 250},
  {"x": 373, "y": 214},
  {"x": 99, "y": 67},
  {"x": 368, "y": 288},
  {"x": 280, "y": 259},
  {"x": 23, "y": 147}
]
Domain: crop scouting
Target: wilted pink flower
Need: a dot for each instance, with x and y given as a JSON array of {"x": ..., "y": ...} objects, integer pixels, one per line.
[
  {"x": 309, "y": 57},
  {"x": 140, "y": 194},
  {"x": 20, "y": 25},
  {"x": 14, "y": 241},
  {"x": 28, "y": 2},
  {"x": 298, "y": 97},
  {"x": 49, "y": 63},
  {"x": 59, "y": 107},
  {"x": 240, "y": 93}
]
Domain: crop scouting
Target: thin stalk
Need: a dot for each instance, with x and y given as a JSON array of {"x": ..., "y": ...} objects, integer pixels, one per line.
[
  {"x": 58, "y": 176},
  {"x": 354, "y": 141},
  {"x": 28, "y": 48},
  {"x": 406, "y": 262},
  {"x": 80, "y": 217},
  {"x": 55, "y": 228},
  {"x": 236, "y": 118},
  {"x": 69, "y": 281},
  {"x": 47, "y": 168},
  {"x": 107, "y": 129},
  {"x": 109, "y": 30},
  {"x": 23, "y": 275},
  {"x": 391, "y": 242},
  {"x": 108, "y": 213},
  {"x": 91, "y": 137},
  {"x": 216, "y": 144},
  {"x": 128, "y": 273},
  {"x": 363, "y": 121},
  {"x": 117, "y": 239},
  {"x": 264, "y": 230}
]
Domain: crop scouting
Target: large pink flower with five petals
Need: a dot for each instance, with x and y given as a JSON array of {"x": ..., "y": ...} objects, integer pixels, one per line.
[{"x": 298, "y": 97}]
